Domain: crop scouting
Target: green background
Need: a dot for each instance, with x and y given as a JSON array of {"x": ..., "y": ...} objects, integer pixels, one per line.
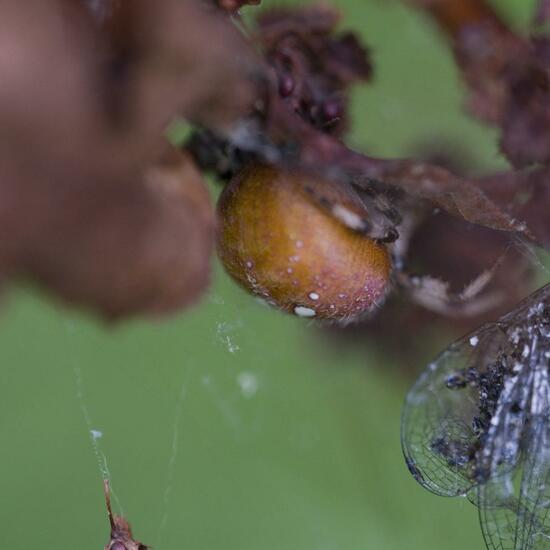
[{"x": 283, "y": 442}]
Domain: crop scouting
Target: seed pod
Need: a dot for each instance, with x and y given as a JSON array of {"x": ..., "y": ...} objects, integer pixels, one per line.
[{"x": 278, "y": 244}]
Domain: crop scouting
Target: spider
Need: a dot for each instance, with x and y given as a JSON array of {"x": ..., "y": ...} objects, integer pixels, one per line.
[
  {"x": 293, "y": 181},
  {"x": 268, "y": 207}
]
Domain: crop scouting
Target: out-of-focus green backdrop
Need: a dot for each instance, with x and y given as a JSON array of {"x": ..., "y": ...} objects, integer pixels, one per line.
[{"x": 279, "y": 444}]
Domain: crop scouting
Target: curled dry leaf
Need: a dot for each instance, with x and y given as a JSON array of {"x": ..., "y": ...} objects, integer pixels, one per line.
[
  {"x": 87, "y": 209},
  {"x": 456, "y": 195}
]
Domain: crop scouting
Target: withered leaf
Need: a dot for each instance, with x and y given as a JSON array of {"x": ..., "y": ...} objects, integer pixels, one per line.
[
  {"x": 454, "y": 194},
  {"x": 507, "y": 75}
]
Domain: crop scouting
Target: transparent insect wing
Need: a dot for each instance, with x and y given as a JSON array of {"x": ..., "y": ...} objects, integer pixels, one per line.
[
  {"x": 514, "y": 511},
  {"x": 498, "y": 507},
  {"x": 513, "y": 508},
  {"x": 441, "y": 415},
  {"x": 464, "y": 419},
  {"x": 534, "y": 524},
  {"x": 477, "y": 422},
  {"x": 504, "y": 406}
]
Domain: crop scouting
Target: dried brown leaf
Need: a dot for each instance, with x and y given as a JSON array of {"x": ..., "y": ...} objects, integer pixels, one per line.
[{"x": 507, "y": 75}]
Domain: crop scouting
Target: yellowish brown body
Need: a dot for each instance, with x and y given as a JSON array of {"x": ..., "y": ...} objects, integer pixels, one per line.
[{"x": 278, "y": 244}]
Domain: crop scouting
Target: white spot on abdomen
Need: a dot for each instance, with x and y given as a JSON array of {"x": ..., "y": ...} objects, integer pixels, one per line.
[{"x": 302, "y": 311}]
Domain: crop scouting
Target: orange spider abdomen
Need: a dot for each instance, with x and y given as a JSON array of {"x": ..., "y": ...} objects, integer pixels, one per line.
[{"x": 278, "y": 244}]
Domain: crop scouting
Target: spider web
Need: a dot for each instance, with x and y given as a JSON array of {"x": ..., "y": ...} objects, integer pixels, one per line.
[{"x": 225, "y": 334}]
